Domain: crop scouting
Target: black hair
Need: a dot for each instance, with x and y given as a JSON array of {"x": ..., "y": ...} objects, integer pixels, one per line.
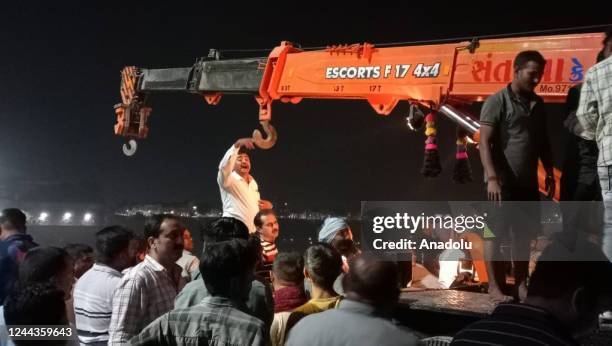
[
  {"x": 111, "y": 241},
  {"x": 41, "y": 264},
  {"x": 558, "y": 279},
  {"x": 243, "y": 151},
  {"x": 608, "y": 36},
  {"x": 153, "y": 224},
  {"x": 559, "y": 271},
  {"x": 526, "y": 56},
  {"x": 225, "y": 262},
  {"x": 372, "y": 280},
  {"x": 289, "y": 267},
  {"x": 257, "y": 221},
  {"x": 224, "y": 228},
  {"x": 346, "y": 247},
  {"x": 37, "y": 304},
  {"x": 77, "y": 251},
  {"x": 324, "y": 264},
  {"x": 14, "y": 217}
]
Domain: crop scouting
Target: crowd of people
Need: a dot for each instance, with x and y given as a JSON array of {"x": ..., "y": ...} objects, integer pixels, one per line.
[
  {"x": 148, "y": 288},
  {"x": 325, "y": 296}
]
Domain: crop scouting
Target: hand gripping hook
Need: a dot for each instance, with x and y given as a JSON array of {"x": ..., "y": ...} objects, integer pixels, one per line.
[{"x": 271, "y": 136}]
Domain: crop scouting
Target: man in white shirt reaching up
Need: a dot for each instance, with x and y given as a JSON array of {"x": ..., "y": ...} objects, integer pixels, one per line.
[{"x": 239, "y": 190}]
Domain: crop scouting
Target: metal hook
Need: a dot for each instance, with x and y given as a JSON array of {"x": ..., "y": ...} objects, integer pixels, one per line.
[
  {"x": 130, "y": 147},
  {"x": 270, "y": 139},
  {"x": 415, "y": 118}
]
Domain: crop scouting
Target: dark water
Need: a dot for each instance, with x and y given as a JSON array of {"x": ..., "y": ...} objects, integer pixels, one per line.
[{"x": 295, "y": 235}]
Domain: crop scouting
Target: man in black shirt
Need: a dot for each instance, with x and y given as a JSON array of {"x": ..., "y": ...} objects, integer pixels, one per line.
[{"x": 512, "y": 138}]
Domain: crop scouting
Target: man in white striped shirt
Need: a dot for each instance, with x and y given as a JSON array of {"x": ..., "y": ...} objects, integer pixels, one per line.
[{"x": 93, "y": 292}]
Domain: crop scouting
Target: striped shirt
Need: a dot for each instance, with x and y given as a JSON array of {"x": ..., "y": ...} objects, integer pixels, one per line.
[
  {"x": 214, "y": 321},
  {"x": 268, "y": 254},
  {"x": 595, "y": 109},
  {"x": 269, "y": 251},
  {"x": 93, "y": 303},
  {"x": 146, "y": 292},
  {"x": 516, "y": 324}
]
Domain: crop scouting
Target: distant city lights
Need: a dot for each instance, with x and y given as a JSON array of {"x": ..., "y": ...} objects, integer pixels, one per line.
[{"x": 55, "y": 217}]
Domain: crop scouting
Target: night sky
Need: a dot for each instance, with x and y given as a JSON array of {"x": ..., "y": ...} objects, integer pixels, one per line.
[{"x": 59, "y": 80}]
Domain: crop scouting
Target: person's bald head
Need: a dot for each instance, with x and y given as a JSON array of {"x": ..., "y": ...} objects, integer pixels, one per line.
[{"x": 372, "y": 281}]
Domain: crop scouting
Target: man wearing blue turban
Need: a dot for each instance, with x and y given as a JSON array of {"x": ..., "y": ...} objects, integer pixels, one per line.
[{"x": 334, "y": 227}]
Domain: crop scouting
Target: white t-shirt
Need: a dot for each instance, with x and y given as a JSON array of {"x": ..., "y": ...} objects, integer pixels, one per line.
[{"x": 93, "y": 302}]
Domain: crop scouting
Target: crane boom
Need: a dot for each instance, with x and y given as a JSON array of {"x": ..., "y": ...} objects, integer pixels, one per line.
[{"x": 436, "y": 77}]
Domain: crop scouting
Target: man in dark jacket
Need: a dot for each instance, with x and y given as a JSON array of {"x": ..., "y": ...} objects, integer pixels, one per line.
[{"x": 14, "y": 243}]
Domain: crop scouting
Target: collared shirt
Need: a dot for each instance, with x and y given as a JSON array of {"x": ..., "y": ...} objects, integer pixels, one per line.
[
  {"x": 260, "y": 303},
  {"x": 146, "y": 292},
  {"x": 595, "y": 109},
  {"x": 215, "y": 321},
  {"x": 240, "y": 198},
  {"x": 352, "y": 323},
  {"x": 520, "y": 136},
  {"x": 515, "y": 324},
  {"x": 188, "y": 262},
  {"x": 93, "y": 302}
]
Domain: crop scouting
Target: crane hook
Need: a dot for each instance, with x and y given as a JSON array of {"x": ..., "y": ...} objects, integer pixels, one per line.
[
  {"x": 130, "y": 147},
  {"x": 415, "y": 118},
  {"x": 270, "y": 139}
]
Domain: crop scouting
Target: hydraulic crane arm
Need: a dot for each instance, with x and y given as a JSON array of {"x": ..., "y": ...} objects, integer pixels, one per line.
[
  {"x": 206, "y": 76},
  {"x": 430, "y": 75},
  {"x": 434, "y": 77},
  {"x": 210, "y": 78}
]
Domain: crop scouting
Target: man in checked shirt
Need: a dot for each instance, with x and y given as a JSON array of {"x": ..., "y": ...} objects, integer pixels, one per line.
[
  {"x": 595, "y": 115},
  {"x": 148, "y": 290}
]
